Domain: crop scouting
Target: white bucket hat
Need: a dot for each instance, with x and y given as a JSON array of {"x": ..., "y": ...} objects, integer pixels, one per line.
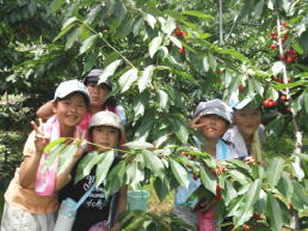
[
  {"x": 68, "y": 87},
  {"x": 107, "y": 118},
  {"x": 215, "y": 107}
]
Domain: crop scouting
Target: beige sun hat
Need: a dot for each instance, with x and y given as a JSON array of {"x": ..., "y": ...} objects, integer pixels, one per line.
[
  {"x": 70, "y": 86},
  {"x": 107, "y": 118}
]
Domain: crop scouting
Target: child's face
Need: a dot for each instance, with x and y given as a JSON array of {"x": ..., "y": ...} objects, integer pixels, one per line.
[
  {"x": 98, "y": 93},
  {"x": 106, "y": 136},
  {"x": 247, "y": 120},
  {"x": 70, "y": 110},
  {"x": 214, "y": 126}
]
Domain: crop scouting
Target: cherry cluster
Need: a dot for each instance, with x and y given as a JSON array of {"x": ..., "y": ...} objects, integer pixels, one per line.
[
  {"x": 290, "y": 55},
  {"x": 180, "y": 35}
]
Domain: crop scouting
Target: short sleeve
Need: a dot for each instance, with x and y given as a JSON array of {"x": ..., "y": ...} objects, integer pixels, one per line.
[{"x": 29, "y": 148}]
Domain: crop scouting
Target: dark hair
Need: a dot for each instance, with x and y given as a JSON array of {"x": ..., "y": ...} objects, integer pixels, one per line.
[
  {"x": 72, "y": 94},
  {"x": 93, "y": 77}
]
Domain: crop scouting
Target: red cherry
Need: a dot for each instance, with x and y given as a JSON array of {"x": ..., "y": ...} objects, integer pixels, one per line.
[
  {"x": 256, "y": 216},
  {"x": 184, "y": 154},
  {"x": 196, "y": 176},
  {"x": 241, "y": 88},
  {"x": 178, "y": 33},
  {"x": 290, "y": 204},
  {"x": 184, "y": 34},
  {"x": 246, "y": 227},
  {"x": 282, "y": 58},
  {"x": 182, "y": 51},
  {"x": 289, "y": 59},
  {"x": 289, "y": 80},
  {"x": 291, "y": 51},
  {"x": 273, "y": 46},
  {"x": 284, "y": 38},
  {"x": 288, "y": 109},
  {"x": 283, "y": 98},
  {"x": 188, "y": 166},
  {"x": 283, "y": 23},
  {"x": 218, "y": 192}
]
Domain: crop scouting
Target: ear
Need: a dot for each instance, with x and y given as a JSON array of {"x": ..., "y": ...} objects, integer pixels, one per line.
[{"x": 54, "y": 107}]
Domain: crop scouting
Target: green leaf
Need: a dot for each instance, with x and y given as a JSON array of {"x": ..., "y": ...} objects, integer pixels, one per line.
[
  {"x": 109, "y": 70},
  {"x": 163, "y": 98},
  {"x": 274, "y": 213},
  {"x": 53, "y": 154},
  {"x": 306, "y": 102},
  {"x": 250, "y": 199},
  {"x": 146, "y": 78},
  {"x": 162, "y": 188},
  {"x": 212, "y": 61},
  {"x": 180, "y": 173},
  {"x": 206, "y": 65},
  {"x": 299, "y": 197},
  {"x": 208, "y": 179},
  {"x": 275, "y": 169},
  {"x": 56, "y": 5},
  {"x": 54, "y": 143},
  {"x": 150, "y": 19},
  {"x": 135, "y": 173},
  {"x": 176, "y": 42},
  {"x": 238, "y": 176},
  {"x": 116, "y": 177},
  {"x": 198, "y": 14},
  {"x": 180, "y": 129},
  {"x": 127, "y": 79},
  {"x": 155, "y": 44},
  {"x": 66, "y": 157},
  {"x": 103, "y": 166},
  {"x": 86, "y": 45},
  {"x": 84, "y": 167},
  {"x": 153, "y": 163},
  {"x": 285, "y": 186},
  {"x": 278, "y": 67},
  {"x": 63, "y": 32}
]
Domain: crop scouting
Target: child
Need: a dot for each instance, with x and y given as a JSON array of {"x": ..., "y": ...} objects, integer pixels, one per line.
[
  {"x": 24, "y": 208},
  {"x": 245, "y": 135},
  {"x": 211, "y": 119},
  {"x": 100, "y": 95},
  {"x": 105, "y": 129}
]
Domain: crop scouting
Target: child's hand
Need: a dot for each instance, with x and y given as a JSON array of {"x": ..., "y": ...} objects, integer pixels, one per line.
[
  {"x": 250, "y": 160},
  {"x": 40, "y": 140},
  {"x": 82, "y": 146},
  {"x": 195, "y": 122}
]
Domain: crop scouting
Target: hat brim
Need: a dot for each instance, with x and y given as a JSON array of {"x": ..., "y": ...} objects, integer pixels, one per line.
[{"x": 218, "y": 112}]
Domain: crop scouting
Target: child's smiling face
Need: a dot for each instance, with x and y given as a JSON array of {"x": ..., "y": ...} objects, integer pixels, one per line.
[
  {"x": 247, "y": 120},
  {"x": 213, "y": 126},
  {"x": 105, "y": 136}
]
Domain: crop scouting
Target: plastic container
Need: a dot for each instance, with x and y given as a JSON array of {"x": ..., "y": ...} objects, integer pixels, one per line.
[
  {"x": 66, "y": 215},
  {"x": 138, "y": 200}
]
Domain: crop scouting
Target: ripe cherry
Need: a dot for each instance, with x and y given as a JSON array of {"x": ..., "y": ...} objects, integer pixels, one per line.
[
  {"x": 290, "y": 204},
  {"x": 246, "y": 227},
  {"x": 182, "y": 51},
  {"x": 289, "y": 59},
  {"x": 283, "y": 23},
  {"x": 273, "y": 46},
  {"x": 241, "y": 88},
  {"x": 178, "y": 33},
  {"x": 196, "y": 176},
  {"x": 256, "y": 216},
  {"x": 282, "y": 58},
  {"x": 288, "y": 109},
  {"x": 283, "y": 98}
]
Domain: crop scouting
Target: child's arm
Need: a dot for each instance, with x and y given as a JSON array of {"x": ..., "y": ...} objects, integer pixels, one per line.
[
  {"x": 45, "y": 111},
  {"x": 121, "y": 206},
  {"x": 33, "y": 152}
]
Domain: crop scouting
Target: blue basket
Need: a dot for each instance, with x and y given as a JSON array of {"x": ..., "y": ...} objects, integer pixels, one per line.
[{"x": 138, "y": 200}]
